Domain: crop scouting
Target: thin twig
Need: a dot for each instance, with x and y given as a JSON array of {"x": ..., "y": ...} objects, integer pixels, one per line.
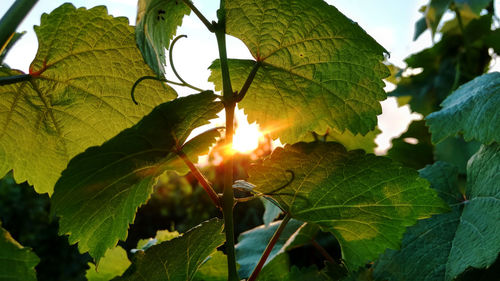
[
  {"x": 249, "y": 81},
  {"x": 209, "y": 26},
  {"x": 269, "y": 248},
  {"x": 170, "y": 56}
]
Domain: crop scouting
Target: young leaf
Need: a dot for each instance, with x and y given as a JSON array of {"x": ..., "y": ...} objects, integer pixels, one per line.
[
  {"x": 17, "y": 262},
  {"x": 98, "y": 194},
  {"x": 472, "y": 110},
  {"x": 434, "y": 12},
  {"x": 114, "y": 263},
  {"x": 79, "y": 95},
  {"x": 452, "y": 242},
  {"x": 179, "y": 258},
  {"x": 252, "y": 243},
  {"x": 318, "y": 68},
  {"x": 157, "y": 22},
  {"x": 364, "y": 200}
]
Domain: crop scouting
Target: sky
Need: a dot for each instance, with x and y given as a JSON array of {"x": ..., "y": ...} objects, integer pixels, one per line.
[{"x": 390, "y": 22}]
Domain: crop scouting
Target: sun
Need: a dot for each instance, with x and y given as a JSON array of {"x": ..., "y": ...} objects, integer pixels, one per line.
[{"x": 246, "y": 136}]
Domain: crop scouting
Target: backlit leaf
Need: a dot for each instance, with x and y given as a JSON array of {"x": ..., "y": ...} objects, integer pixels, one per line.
[
  {"x": 157, "y": 22},
  {"x": 114, "y": 263},
  {"x": 181, "y": 257},
  {"x": 98, "y": 194},
  {"x": 364, "y": 200},
  {"x": 17, "y": 262},
  {"x": 214, "y": 269},
  {"x": 86, "y": 64},
  {"x": 319, "y": 69},
  {"x": 472, "y": 110}
]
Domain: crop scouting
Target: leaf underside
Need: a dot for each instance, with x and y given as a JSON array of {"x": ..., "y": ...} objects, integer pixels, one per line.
[
  {"x": 452, "y": 242},
  {"x": 86, "y": 64},
  {"x": 98, "y": 194},
  {"x": 472, "y": 110},
  {"x": 318, "y": 70},
  {"x": 364, "y": 200}
]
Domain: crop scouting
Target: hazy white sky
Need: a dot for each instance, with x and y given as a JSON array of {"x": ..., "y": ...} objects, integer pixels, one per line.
[{"x": 390, "y": 22}]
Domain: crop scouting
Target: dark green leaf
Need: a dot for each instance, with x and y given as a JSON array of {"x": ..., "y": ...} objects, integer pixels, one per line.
[
  {"x": 364, "y": 200},
  {"x": 456, "y": 151},
  {"x": 17, "y": 262},
  {"x": 435, "y": 11},
  {"x": 420, "y": 27},
  {"x": 179, "y": 258},
  {"x": 87, "y": 63},
  {"x": 271, "y": 212},
  {"x": 472, "y": 110},
  {"x": 452, "y": 242},
  {"x": 476, "y": 6},
  {"x": 319, "y": 69},
  {"x": 98, "y": 194},
  {"x": 157, "y": 22}
]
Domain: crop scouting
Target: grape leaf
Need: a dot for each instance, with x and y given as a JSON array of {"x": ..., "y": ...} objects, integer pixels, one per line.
[
  {"x": 18, "y": 263},
  {"x": 181, "y": 257},
  {"x": 452, "y": 242},
  {"x": 364, "y": 200},
  {"x": 214, "y": 269},
  {"x": 98, "y": 194},
  {"x": 318, "y": 68},
  {"x": 114, "y": 263},
  {"x": 472, "y": 110},
  {"x": 79, "y": 95},
  {"x": 271, "y": 211},
  {"x": 476, "y": 6},
  {"x": 434, "y": 12},
  {"x": 157, "y": 22},
  {"x": 252, "y": 243}
]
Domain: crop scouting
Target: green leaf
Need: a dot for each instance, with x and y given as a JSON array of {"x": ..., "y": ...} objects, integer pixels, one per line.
[
  {"x": 476, "y": 6},
  {"x": 452, "y": 242},
  {"x": 472, "y": 110},
  {"x": 179, "y": 258},
  {"x": 364, "y": 200},
  {"x": 271, "y": 211},
  {"x": 161, "y": 236},
  {"x": 80, "y": 98},
  {"x": 456, "y": 151},
  {"x": 318, "y": 68},
  {"x": 214, "y": 269},
  {"x": 114, "y": 263},
  {"x": 434, "y": 12},
  {"x": 157, "y": 22},
  {"x": 348, "y": 140},
  {"x": 252, "y": 243},
  {"x": 420, "y": 27},
  {"x": 18, "y": 263},
  {"x": 98, "y": 194},
  {"x": 414, "y": 155},
  {"x": 279, "y": 269}
]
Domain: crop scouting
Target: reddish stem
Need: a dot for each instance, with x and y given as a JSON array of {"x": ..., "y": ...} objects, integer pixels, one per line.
[{"x": 269, "y": 248}]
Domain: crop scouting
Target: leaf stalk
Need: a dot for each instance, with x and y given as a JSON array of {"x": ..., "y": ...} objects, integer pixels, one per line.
[
  {"x": 203, "y": 19},
  {"x": 6, "y": 80},
  {"x": 249, "y": 81},
  {"x": 269, "y": 248}
]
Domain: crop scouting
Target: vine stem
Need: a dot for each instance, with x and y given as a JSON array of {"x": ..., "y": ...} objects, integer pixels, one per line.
[
  {"x": 322, "y": 251},
  {"x": 269, "y": 248},
  {"x": 229, "y": 102},
  {"x": 11, "y": 20}
]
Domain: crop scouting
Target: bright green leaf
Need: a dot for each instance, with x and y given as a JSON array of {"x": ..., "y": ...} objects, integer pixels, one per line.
[
  {"x": 114, "y": 263},
  {"x": 452, "y": 242},
  {"x": 81, "y": 98},
  {"x": 179, "y": 258},
  {"x": 157, "y": 22},
  {"x": 98, "y": 194},
  {"x": 214, "y": 269},
  {"x": 472, "y": 110},
  {"x": 364, "y": 200},
  {"x": 319, "y": 69},
  {"x": 252, "y": 243},
  {"x": 161, "y": 236},
  {"x": 17, "y": 262}
]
